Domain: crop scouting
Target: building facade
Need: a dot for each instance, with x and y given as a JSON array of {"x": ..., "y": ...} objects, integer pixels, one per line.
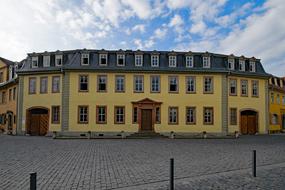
[
  {"x": 8, "y": 96},
  {"x": 109, "y": 92},
  {"x": 277, "y": 104}
]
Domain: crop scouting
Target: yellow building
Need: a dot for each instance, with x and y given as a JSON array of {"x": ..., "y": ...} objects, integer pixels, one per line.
[
  {"x": 277, "y": 104},
  {"x": 105, "y": 93},
  {"x": 8, "y": 96}
]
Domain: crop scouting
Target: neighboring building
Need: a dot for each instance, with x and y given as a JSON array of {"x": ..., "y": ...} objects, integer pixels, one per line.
[
  {"x": 106, "y": 92},
  {"x": 8, "y": 96},
  {"x": 277, "y": 104}
]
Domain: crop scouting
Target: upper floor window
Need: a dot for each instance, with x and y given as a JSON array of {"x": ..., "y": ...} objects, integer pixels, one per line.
[
  {"x": 189, "y": 61},
  {"x": 138, "y": 83},
  {"x": 244, "y": 87},
  {"x": 206, "y": 62},
  {"x": 83, "y": 83},
  {"x": 35, "y": 62},
  {"x": 46, "y": 61},
  {"x": 83, "y": 114},
  {"x": 14, "y": 93},
  {"x": 173, "y": 115},
  {"x": 85, "y": 59},
  {"x": 121, "y": 60},
  {"x": 252, "y": 66},
  {"x": 283, "y": 100},
  {"x": 241, "y": 65},
  {"x": 278, "y": 99},
  {"x": 55, "y": 84},
  {"x": 102, "y": 83},
  {"x": 120, "y": 84},
  {"x": 103, "y": 59},
  {"x": 101, "y": 114},
  {"x": 43, "y": 85},
  {"x": 272, "y": 98},
  {"x": 233, "y": 87},
  {"x": 155, "y": 83},
  {"x": 190, "y": 84},
  {"x": 1, "y": 77},
  {"x": 138, "y": 60},
  {"x": 255, "y": 88},
  {"x": 173, "y": 84},
  {"x": 231, "y": 64},
  {"x": 208, "y": 85},
  {"x": 208, "y": 116},
  {"x": 155, "y": 60},
  {"x": 190, "y": 115},
  {"x": 3, "y": 98},
  {"x": 172, "y": 61},
  {"x": 58, "y": 60},
  {"x": 32, "y": 85}
]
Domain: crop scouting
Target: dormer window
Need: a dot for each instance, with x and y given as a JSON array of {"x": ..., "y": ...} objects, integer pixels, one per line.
[
  {"x": 35, "y": 62},
  {"x": 58, "y": 60},
  {"x": 206, "y": 62},
  {"x": 189, "y": 61},
  {"x": 252, "y": 66},
  {"x": 231, "y": 64},
  {"x": 155, "y": 61},
  {"x": 120, "y": 60},
  {"x": 138, "y": 60},
  {"x": 103, "y": 59},
  {"x": 84, "y": 59},
  {"x": 46, "y": 61},
  {"x": 172, "y": 61},
  {"x": 241, "y": 65}
]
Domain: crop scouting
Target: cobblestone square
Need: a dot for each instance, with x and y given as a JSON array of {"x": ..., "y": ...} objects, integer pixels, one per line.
[{"x": 142, "y": 163}]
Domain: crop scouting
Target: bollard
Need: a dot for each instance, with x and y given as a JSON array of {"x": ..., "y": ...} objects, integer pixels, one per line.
[
  {"x": 33, "y": 181},
  {"x": 254, "y": 163},
  {"x": 171, "y": 182}
]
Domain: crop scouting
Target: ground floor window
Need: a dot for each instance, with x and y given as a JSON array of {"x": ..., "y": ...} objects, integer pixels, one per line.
[
  {"x": 208, "y": 115},
  {"x": 55, "y": 114},
  {"x": 119, "y": 114},
  {"x": 190, "y": 115},
  {"x": 274, "y": 119},
  {"x": 173, "y": 115},
  {"x": 135, "y": 114},
  {"x": 157, "y": 115},
  {"x": 233, "y": 116},
  {"x": 101, "y": 114},
  {"x": 82, "y": 114}
]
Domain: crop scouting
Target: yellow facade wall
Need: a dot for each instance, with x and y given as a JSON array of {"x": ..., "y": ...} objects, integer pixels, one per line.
[{"x": 276, "y": 108}]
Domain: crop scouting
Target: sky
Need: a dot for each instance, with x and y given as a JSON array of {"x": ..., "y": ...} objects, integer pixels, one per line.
[{"x": 244, "y": 27}]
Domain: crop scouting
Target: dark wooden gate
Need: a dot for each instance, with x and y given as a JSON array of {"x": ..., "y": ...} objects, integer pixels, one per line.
[
  {"x": 248, "y": 123},
  {"x": 37, "y": 122},
  {"x": 146, "y": 119}
]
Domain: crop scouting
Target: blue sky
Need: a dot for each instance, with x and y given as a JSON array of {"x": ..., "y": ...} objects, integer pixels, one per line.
[{"x": 249, "y": 28}]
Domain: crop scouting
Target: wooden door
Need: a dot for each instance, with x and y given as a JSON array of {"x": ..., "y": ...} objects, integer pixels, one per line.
[
  {"x": 43, "y": 124},
  {"x": 243, "y": 127},
  {"x": 251, "y": 124},
  {"x": 35, "y": 124},
  {"x": 146, "y": 120}
]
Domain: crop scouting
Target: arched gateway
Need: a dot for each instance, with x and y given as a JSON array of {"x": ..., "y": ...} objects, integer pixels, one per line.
[
  {"x": 37, "y": 121},
  {"x": 248, "y": 122}
]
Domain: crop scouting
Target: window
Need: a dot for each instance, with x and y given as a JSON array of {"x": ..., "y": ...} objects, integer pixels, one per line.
[
  {"x": 138, "y": 60},
  {"x": 274, "y": 119},
  {"x": 46, "y": 61},
  {"x": 10, "y": 94},
  {"x": 101, "y": 114},
  {"x": 157, "y": 115},
  {"x": 189, "y": 61},
  {"x": 208, "y": 116},
  {"x": 252, "y": 66},
  {"x": 233, "y": 87},
  {"x": 231, "y": 64},
  {"x": 58, "y": 60},
  {"x": 120, "y": 84},
  {"x": 272, "y": 98},
  {"x": 55, "y": 84},
  {"x": 172, "y": 61},
  {"x": 14, "y": 93},
  {"x": 103, "y": 59},
  {"x": 173, "y": 84},
  {"x": 255, "y": 88},
  {"x": 120, "y": 59},
  {"x": 190, "y": 115},
  {"x": 83, "y": 83},
  {"x": 1, "y": 77},
  {"x": 244, "y": 87},
  {"x": 190, "y": 84},
  {"x": 138, "y": 83},
  {"x": 206, "y": 62},
  {"x": 84, "y": 59},
  {"x": 82, "y": 114},
  {"x": 208, "y": 85},
  {"x": 233, "y": 116},
  {"x": 155, "y": 60},
  {"x": 278, "y": 99},
  {"x": 3, "y": 97},
  {"x": 119, "y": 114},
  {"x": 102, "y": 83},
  {"x": 241, "y": 65},
  {"x": 55, "y": 114},
  {"x": 283, "y": 100},
  {"x": 155, "y": 84},
  {"x": 35, "y": 62},
  {"x": 32, "y": 85},
  {"x": 135, "y": 114},
  {"x": 43, "y": 85},
  {"x": 173, "y": 115}
]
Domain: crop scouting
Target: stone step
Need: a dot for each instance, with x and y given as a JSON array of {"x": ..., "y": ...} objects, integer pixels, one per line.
[{"x": 146, "y": 134}]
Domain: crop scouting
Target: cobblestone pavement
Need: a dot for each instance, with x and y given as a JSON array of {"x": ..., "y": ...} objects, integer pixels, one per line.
[{"x": 142, "y": 163}]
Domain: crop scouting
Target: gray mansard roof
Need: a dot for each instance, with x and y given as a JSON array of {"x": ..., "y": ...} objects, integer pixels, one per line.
[{"x": 72, "y": 61}]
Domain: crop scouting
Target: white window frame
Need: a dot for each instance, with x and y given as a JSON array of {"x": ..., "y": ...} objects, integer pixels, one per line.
[
  {"x": 190, "y": 81},
  {"x": 172, "y": 61},
  {"x": 242, "y": 65},
  {"x": 46, "y": 61},
  {"x": 101, "y": 56},
  {"x": 155, "y": 59},
  {"x": 231, "y": 64},
  {"x": 83, "y": 56},
  {"x": 189, "y": 61},
  {"x": 206, "y": 62},
  {"x": 58, "y": 57},
  {"x": 138, "y": 83},
  {"x": 121, "y": 56},
  {"x": 138, "y": 60},
  {"x": 37, "y": 61},
  {"x": 252, "y": 66},
  {"x": 155, "y": 83}
]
